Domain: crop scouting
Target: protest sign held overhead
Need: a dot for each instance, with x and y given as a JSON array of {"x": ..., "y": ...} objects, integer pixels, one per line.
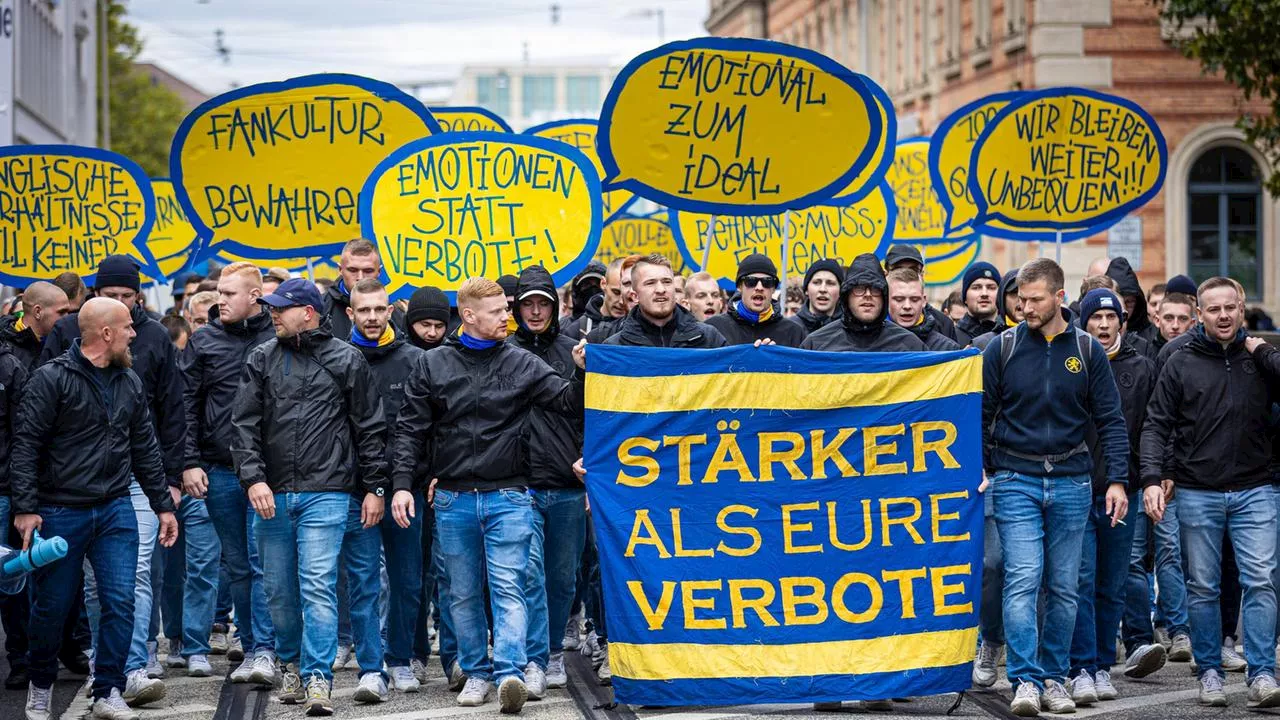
[
  {"x": 468, "y": 119},
  {"x": 945, "y": 262},
  {"x": 1065, "y": 159},
  {"x": 737, "y": 126},
  {"x": 65, "y": 208},
  {"x": 921, "y": 215},
  {"x": 870, "y": 177},
  {"x": 172, "y": 240},
  {"x": 951, "y": 148},
  {"x": 635, "y": 235},
  {"x": 779, "y": 525},
  {"x": 581, "y": 134},
  {"x": 814, "y": 233},
  {"x": 446, "y": 208},
  {"x": 274, "y": 170}
]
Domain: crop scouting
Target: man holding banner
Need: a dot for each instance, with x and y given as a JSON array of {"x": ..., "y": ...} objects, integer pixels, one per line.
[
  {"x": 1046, "y": 375},
  {"x": 656, "y": 320},
  {"x": 755, "y": 316}
]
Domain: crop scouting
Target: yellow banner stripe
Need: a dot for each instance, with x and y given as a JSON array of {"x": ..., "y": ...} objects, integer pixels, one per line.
[
  {"x": 781, "y": 391},
  {"x": 894, "y": 653}
]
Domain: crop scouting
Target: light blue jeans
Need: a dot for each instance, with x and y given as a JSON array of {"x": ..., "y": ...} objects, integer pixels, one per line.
[
  {"x": 361, "y": 560},
  {"x": 1172, "y": 598},
  {"x": 233, "y": 520},
  {"x": 553, "y": 568}
]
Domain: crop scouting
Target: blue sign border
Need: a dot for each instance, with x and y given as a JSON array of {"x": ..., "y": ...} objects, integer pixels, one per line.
[
  {"x": 818, "y": 60},
  {"x": 935, "y": 149},
  {"x": 891, "y": 144},
  {"x": 588, "y": 168},
  {"x": 437, "y": 110},
  {"x": 383, "y": 90},
  {"x": 586, "y": 121}
]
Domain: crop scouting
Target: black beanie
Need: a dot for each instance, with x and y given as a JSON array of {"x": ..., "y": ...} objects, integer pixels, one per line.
[
  {"x": 829, "y": 265},
  {"x": 509, "y": 283},
  {"x": 428, "y": 303},
  {"x": 756, "y": 264},
  {"x": 118, "y": 271}
]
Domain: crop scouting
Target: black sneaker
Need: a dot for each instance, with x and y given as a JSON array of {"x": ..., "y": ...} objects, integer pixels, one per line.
[
  {"x": 17, "y": 679},
  {"x": 75, "y": 662}
]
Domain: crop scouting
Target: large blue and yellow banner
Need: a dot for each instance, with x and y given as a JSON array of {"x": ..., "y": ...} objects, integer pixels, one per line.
[{"x": 777, "y": 525}]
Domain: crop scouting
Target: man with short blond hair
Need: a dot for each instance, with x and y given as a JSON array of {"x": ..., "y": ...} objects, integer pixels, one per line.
[
  {"x": 656, "y": 320},
  {"x": 358, "y": 261},
  {"x": 460, "y": 424},
  {"x": 702, "y": 295},
  {"x": 1175, "y": 315},
  {"x": 908, "y": 308},
  {"x": 198, "y": 307}
]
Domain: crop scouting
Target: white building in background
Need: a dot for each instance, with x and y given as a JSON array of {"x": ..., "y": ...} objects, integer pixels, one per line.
[
  {"x": 48, "y": 72},
  {"x": 533, "y": 93}
]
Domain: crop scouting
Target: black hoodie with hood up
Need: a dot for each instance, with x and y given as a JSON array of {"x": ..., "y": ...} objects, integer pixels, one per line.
[
  {"x": 1127, "y": 281},
  {"x": 852, "y": 335},
  {"x": 1009, "y": 283}
]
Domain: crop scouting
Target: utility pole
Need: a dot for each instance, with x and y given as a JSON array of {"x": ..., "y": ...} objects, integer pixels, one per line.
[{"x": 105, "y": 69}]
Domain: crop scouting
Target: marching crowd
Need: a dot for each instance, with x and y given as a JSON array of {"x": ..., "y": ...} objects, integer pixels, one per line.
[{"x": 350, "y": 481}]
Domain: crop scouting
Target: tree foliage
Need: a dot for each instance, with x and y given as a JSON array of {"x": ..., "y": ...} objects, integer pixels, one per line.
[
  {"x": 1240, "y": 39},
  {"x": 144, "y": 115}
]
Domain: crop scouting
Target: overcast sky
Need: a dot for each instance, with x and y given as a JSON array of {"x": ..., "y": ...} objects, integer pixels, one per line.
[{"x": 399, "y": 41}]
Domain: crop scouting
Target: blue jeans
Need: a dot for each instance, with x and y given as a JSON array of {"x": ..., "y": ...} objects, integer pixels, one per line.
[
  {"x": 1172, "y": 598},
  {"x": 1041, "y": 522},
  {"x": 1249, "y": 520},
  {"x": 443, "y": 600},
  {"x": 200, "y": 591},
  {"x": 361, "y": 559},
  {"x": 560, "y": 515},
  {"x": 107, "y": 535},
  {"x": 487, "y": 531},
  {"x": 233, "y": 520},
  {"x": 299, "y": 547},
  {"x": 404, "y": 577},
  {"x": 1104, "y": 567},
  {"x": 147, "y": 528},
  {"x": 991, "y": 617}
]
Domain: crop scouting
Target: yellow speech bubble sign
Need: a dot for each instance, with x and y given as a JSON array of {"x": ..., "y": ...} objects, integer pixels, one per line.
[
  {"x": 581, "y": 134},
  {"x": 274, "y": 170},
  {"x": 460, "y": 118},
  {"x": 172, "y": 240},
  {"x": 446, "y": 208},
  {"x": 1065, "y": 158},
  {"x": 946, "y": 262},
  {"x": 874, "y": 172},
  {"x": 65, "y": 208},
  {"x": 818, "y": 232},
  {"x": 921, "y": 216},
  {"x": 951, "y": 149},
  {"x": 737, "y": 126},
  {"x": 631, "y": 235}
]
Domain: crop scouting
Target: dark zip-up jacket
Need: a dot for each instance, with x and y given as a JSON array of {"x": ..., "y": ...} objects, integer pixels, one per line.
[
  {"x": 1208, "y": 424},
  {"x": 850, "y": 334},
  {"x": 1043, "y": 401},
  {"x": 1135, "y": 379},
  {"x": 982, "y": 341},
  {"x": 82, "y": 436},
  {"x": 811, "y": 323},
  {"x": 944, "y": 324},
  {"x": 213, "y": 366},
  {"x": 554, "y": 439},
  {"x": 740, "y": 331},
  {"x": 682, "y": 331},
  {"x": 13, "y": 376},
  {"x": 308, "y": 418},
  {"x": 24, "y": 343},
  {"x": 390, "y": 365},
  {"x": 1169, "y": 348},
  {"x": 336, "y": 303},
  {"x": 971, "y": 327},
  {"x": 1138, "y": 323},
  {"x": 590, "y": 320},
  {"x": 464, "y": 413},
  {"x": 155, "y": 362},
  {"x": 927, "y": 331}
]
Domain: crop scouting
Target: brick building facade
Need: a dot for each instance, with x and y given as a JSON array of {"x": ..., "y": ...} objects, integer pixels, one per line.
[{"x": 933, "y": 56}]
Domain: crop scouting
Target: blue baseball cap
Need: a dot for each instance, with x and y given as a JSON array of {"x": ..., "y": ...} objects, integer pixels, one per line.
[{"x": 294, "y": 292}]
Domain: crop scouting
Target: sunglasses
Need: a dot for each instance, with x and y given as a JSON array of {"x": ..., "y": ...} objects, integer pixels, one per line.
[{"x": 768, "y": 283}]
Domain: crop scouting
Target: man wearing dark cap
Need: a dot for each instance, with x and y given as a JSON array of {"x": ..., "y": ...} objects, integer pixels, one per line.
[
  {"x": 980, "y": 288},
  {"x": 755, "y": 317},
  {"x": 309, "y": 434},
  {"x": 907, "y": 256},
  {"x": 427, "y": 318},
  {"x": 1135, "y": 301},
  {"x": 822, "y": 295},
  {"x": 865, "y": 304},
  {"x": 1009, "y": 310},
  {"x": 586, "y": 285}
]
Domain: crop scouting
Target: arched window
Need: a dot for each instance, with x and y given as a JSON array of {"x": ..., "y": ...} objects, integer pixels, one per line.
[{"x": 1224, "y": 198}]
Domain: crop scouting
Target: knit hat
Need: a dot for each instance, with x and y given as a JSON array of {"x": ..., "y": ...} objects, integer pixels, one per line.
[
  {"x": 1100, "y": 299},
  {"x": 978, "y": 271},
  {"x": 756, "y": 264},
  {"x": 118, "y": 271},
  {"x": 829, "y": 265},
  {"x": 428, "y": 303},
  {"x": 509, "y": 283},
  {"x": 1181, "y": 284},
  {"x": 899, "y": 253}
]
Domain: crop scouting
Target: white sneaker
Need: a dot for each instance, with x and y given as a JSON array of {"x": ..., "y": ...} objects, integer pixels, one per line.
[
  {"x": 218, "y": 644},
  {"x": 235, "y": 649},
  {"x": 512, "y": 695},
  {"x": 556, "y": 676},
  {"x": 113, "y": 707},
  {"x": 372, "y": 688},
  {"x": 403, "y": 679},
  {"x": 1056, "y": 699},
  {"x": 572, "y": 633},
  {"x": 475, "y": 693},
  {"x": 1263, "y": 692},
  {"x": 590, "y": 645},
  {"x": 140, "y": 689},
  {"x": 264, "y": 670},
  {"x": 174, "y": 657},
  {"x": 154, "y": 668},
  {"x": 604, "y": 673},
  {"x": 1211, "y": 692},
  {"x": 38, "y": 702},
  {"x": 1144, "y": 660},
  {"x": 984, "y": 666},
  {"x": 243, "y": 672},
  {"x": 198, "y": 666},
  {"x": 1180, "y": 648},
  {"x": 535, "y": 681},
  {"x": 1083, "y": 690},
  {"x": 457, "y": 678},
  {"x": 1162, "y": 638},
  {"x": 419, "y": 669},
  {"x": 342, "y": 658},
  {"x": 1102, "y": 681},
  {"x": 291, "y": 690},
  {"x": 1026, "y": 701},
  {"x": 1233, "y": 661}
]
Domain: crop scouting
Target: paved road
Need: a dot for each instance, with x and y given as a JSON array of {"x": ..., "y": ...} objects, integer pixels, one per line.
[{"x": 1167, "y": 695}]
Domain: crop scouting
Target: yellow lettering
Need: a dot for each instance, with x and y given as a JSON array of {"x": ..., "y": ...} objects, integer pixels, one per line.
[
  {"x": 788, "y": 458},
  {"x": 834, "y": 533},
  {"x": 940, "y": 447},
  {"x": 907, "y": 522},
  {"x": 789, "y": 528},
  {"x": 677, "y": 535},
  {"x": 842, "y": 586},
  {"x": 748, "y": 531},
  {"x": 650, "y": 538},
  {"x": 628, "y": 459},
  {"x": 941, "y": 589},
  {"x": 760, "y": 605},
  {"x": 872, "y": 451},
  {"x": 728, "y": 456},
  {"x": 654, "y": 617},
  {"x": 691, "y": 604},
  {"x": 939, "y": 516},
  {"x": 906, "y": 587},
  {"x": 790, "y": 600},
  {"x": 684, "y": 447},
  {"x": 822, "y": 453}
]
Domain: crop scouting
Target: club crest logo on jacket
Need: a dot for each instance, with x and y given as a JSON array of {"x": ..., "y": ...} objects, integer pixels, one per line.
[{"x": 1074, "y": 365}]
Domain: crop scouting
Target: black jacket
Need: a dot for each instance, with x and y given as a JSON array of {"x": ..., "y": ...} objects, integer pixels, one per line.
[
  {"x": 308, "y": 418},
  {"x": 811, "y": 323},
  {"x": 1127, "y": 281},
  {"x": 554, "y": 439},
  {"x": 944, "y": 323},
  {"x": 390, "y": 366},
  {"x": 24, "y": 343},
  {"x": 82, "y": 436},
  {"x": 1209, "y": 419},
  {"x": 213, "y": 366},
  {"x": 852, "y": 335},
  {"x": 740, "y": 331},
  {"x": 464, "y": 412},
  {"x": 1135, "y": 376},
  {"x": 336, "y": 303},
  {"x": 682, "y": 331},
  {"x": 1172, "y": 346},
  {"x": 970, "y": 327},
  {"x": 155, "y": 362},
  {"x": 13, "y": 376},
  {"x": 927, "y": 331}
]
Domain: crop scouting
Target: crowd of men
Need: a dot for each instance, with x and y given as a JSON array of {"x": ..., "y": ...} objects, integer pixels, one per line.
[{"x": 350, "y": 481}]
